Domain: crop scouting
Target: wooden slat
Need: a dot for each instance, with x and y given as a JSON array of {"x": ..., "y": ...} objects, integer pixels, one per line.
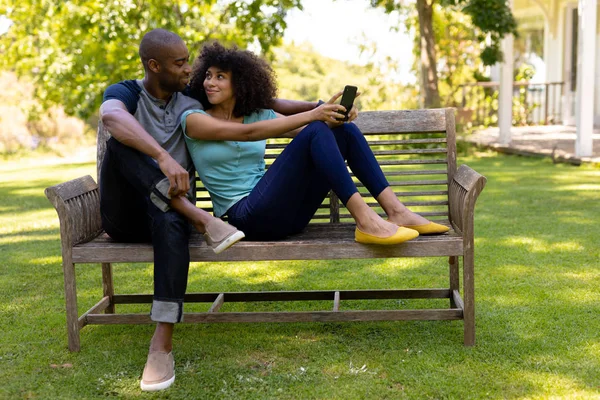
[
  {"x": 422, "y": 193},
  {"x": 388, "y": 152},
  {"x": 74, "y": 188},
  {"x": 423, "y": 214},
  {"x": 413, "y": 183},
  {"x": 416, "y": 203},
  {"x": 336, "y": 302},
  {"x": 217, "y": 303},
  {"x": 413, "y": 162},
  {"x": 411, "y": 151},
  {"x": 415, "y": 172},
  {"x": 406, "y": 121},
  {"x": 97, "y": 308},
  {"x": 458, "y": 300},
  {"x": 373, "y": 143},
  {"x": 328, "y": 245},
  {"x": 306, "y": 295},
  {"x": 299, "y": 316},
  {"x": 108, "y": 288},
  {"x": 451, "y": 136}
]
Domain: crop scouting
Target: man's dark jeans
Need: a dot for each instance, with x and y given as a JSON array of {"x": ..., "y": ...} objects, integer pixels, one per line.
[{"x": 129, "y": 214}]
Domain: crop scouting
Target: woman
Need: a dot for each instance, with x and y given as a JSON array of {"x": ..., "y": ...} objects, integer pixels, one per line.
[{"x": 227, "y": 144}]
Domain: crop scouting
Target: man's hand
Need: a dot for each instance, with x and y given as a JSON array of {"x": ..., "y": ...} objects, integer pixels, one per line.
[{"x": 179, "y": 179}]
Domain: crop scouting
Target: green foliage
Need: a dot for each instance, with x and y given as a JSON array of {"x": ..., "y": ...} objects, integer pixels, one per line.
[
  {"x": 522, "y": 107},
  {"x": 74, "y": 49},
  {"x": 303, "y": 74},
  {"x": 457, "y": 51}
]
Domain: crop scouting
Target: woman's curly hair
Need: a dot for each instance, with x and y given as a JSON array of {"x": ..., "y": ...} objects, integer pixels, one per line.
[{"x": 252, "y": 79}]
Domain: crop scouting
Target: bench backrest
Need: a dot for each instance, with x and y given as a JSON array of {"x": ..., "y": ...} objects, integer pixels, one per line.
[{"x": 415, "y": 148}]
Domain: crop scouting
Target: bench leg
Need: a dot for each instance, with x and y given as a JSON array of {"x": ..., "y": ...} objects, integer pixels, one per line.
[
  {"x": 469, "y": 296},
  {"x": 71, "y": 305},
  {"x": 107, "y": 286},
  {"x": 454, "y": 280}
]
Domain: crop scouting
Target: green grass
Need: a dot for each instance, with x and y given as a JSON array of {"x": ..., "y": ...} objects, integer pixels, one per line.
[{"x": 537, "y": 291}]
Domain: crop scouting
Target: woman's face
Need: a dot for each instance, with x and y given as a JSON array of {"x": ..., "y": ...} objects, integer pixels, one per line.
[{"x": 217, "y": 85}]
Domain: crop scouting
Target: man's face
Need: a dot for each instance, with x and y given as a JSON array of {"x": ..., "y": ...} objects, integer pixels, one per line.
[{"x": 175, "y": 69}]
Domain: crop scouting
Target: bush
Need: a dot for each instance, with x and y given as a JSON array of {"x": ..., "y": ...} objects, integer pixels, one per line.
[{"x": 24, "y": 126}]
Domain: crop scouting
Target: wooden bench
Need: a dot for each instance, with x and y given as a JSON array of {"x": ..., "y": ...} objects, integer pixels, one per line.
[{"x": 417, "y": 151}]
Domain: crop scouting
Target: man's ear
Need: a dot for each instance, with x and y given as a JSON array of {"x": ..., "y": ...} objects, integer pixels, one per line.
[{"x": 154, "y": 65}]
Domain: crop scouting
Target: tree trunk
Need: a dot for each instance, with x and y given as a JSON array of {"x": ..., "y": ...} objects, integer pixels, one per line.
[{"x": 430, "y": 96}]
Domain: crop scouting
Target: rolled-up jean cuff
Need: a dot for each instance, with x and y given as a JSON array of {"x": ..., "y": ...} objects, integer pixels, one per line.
[
  {"x": 167, "y": 311},
  {"x": 160, "y": 195}
]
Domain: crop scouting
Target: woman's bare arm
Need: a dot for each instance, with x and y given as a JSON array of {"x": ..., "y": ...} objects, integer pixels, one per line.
[{"x": 204, "y": 127}]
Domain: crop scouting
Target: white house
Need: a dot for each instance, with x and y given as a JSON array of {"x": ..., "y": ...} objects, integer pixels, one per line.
[{"x": 571, "y": 54}]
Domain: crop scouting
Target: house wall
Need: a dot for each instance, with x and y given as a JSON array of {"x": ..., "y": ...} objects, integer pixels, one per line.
[{"x": 553, "y": 13}]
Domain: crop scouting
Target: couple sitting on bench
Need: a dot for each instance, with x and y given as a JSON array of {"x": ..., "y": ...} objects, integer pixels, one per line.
[{"x": 217, "y": 118}]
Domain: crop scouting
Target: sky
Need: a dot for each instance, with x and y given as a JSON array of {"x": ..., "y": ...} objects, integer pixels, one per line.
[{"x": 335, "y": 28}]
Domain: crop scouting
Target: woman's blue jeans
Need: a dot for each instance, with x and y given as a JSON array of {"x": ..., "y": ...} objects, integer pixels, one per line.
[
  {"x": 288, "y": 195},
  {"x": 128, "y": 178}
]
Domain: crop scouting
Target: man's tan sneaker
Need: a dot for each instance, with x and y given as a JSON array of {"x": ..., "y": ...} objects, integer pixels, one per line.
[
  {"x": 221, "y": 236},
  {"x": 159, "y": 372}
]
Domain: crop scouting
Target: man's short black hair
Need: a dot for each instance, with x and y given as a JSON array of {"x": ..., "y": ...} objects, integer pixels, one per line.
[{"x": 154, "y": 43}]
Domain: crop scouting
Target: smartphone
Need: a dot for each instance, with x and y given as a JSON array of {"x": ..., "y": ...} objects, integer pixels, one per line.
[{"x": 348, "y": 100}]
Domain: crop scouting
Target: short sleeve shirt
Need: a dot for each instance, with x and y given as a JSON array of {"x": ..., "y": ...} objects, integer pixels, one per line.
[
  {"x": 228, "y": 169},
  {"x": 160, "y": 119}
]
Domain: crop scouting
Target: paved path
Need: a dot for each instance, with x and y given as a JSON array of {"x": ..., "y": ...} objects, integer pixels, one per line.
[{"x": 556, "y": 141}]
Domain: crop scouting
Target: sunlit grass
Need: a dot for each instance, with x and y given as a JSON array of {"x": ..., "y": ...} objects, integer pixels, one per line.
[{"x": 537, "y": 261}]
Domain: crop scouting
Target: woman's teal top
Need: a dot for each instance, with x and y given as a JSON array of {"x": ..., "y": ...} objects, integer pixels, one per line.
[{"x": 229, "y": 170}]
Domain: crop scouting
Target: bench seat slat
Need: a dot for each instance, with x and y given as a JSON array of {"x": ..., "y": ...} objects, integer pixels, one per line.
[{"x": 319, "y": 241}]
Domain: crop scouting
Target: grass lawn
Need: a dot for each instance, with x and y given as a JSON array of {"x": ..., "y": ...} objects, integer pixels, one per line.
[{"x": 537, "y": 291}]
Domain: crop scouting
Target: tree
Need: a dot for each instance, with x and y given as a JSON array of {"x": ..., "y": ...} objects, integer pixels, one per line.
[
  {"x": 492, "y": 20},
  {"x": 73, "y": 49}
]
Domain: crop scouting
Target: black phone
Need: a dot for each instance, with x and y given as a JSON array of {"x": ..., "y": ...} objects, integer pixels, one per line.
[{"x": 348, "y": 100}]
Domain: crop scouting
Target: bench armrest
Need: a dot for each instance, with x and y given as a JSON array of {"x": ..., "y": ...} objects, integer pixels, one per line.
[
  {"x": 463, "y": 192},
  {"x": 77, "y": 203}
]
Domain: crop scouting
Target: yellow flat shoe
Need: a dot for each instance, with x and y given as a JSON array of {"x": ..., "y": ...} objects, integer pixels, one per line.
[
  {"x": 429, "y": 229},
  {"x": 402, "y": 235}
]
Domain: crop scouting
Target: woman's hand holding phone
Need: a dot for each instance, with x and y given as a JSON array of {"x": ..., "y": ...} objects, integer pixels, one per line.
[
  {"x": 350, "y": 112},
  {"x": 329, "y": 112}
]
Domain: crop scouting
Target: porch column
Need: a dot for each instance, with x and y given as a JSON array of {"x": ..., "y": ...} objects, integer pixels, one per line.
[
  {"x": 506, "y": 89},
  {"x": 586, "y": 61}
]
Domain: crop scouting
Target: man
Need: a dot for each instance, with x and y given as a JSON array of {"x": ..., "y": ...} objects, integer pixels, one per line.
[{"x": 147, "y": 184}]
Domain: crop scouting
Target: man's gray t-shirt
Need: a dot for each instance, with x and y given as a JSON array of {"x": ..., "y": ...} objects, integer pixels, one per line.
[{"x": 160, "y": 119}]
